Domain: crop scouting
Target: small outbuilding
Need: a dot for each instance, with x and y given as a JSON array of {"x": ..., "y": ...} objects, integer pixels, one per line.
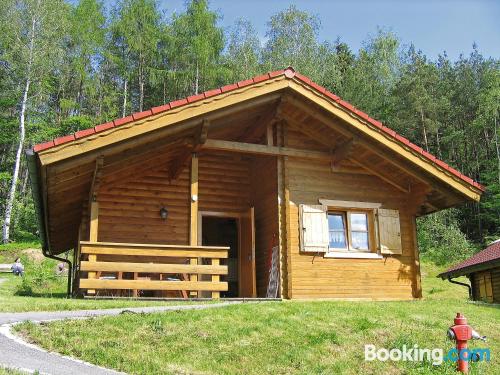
[
  {"x": 272, "y": 186},
  {"x": 483, "y": 271}
]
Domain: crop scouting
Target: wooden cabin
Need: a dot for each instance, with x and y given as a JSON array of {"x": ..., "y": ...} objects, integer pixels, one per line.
[
  {"x": 271, "y": 186},
  {"x": 483, "y": 272}
]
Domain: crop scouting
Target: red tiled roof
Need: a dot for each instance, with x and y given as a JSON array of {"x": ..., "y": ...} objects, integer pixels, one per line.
[
  {"x": 289, "y": 73},
  {"x": 489, "y": 254}
]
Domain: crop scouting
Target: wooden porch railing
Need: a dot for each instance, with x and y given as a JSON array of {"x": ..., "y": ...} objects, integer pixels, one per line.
[{"x": 132, "y": 259}]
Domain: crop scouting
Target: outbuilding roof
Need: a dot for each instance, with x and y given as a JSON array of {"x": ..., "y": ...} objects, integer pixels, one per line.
[
  {"x": 481, "y": 260},
  {"x": 289, "y": 73}
]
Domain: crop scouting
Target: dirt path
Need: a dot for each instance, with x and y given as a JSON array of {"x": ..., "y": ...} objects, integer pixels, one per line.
[{"x": 16, "y": 353}]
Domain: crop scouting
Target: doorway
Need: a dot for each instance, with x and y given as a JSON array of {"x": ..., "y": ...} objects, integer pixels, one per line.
[
  {"x": 237, "y": 231},
  {"x": 223, "y": 231}
]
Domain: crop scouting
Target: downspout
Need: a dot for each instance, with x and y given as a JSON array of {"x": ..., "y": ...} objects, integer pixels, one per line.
[
  {"x": 463, "y": 284},
  {"x": 37, "y": 199}
]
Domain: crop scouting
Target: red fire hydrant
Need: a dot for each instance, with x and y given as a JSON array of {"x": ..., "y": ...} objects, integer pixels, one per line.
[{"x": 461, "y": 332}]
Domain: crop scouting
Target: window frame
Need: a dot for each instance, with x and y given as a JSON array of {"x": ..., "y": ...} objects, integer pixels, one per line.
[{"x": 346, "y": 214}]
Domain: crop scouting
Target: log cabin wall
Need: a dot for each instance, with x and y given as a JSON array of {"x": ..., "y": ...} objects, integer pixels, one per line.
[
  {"x": 224, "y": 182},
  {"x": 265, "y": 198},
  {"x": 129, "y": 211},
  {"x": 312, "y": 275}
]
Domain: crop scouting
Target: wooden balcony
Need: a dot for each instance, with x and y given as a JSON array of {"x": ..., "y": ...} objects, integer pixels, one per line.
[{"x": 143, "y": 267}]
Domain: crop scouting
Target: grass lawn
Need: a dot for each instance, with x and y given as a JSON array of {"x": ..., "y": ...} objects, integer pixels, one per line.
[
  {"x": 6, "y": 371},
  {"x": 322, "y": 337},
  {"x": 57, "y": 300},
  {"x": 41, "y": 290}
]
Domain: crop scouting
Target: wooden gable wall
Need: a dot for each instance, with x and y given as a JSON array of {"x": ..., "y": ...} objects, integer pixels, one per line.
[{"x": 314, "y": 276}]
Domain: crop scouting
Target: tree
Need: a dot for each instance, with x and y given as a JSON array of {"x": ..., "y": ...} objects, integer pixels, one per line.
[
  {"x": 136, "y": 27},
  {"x": 87, "y": 33},
  {"x": 33, "y": 52},
  {"x": 416, "y": 93},
  {"x": 368, "y": 85},
  {"x": 243, "y": 51},
  {"x": 292, "y": 41},
  {"x": 196, "y": 46}
]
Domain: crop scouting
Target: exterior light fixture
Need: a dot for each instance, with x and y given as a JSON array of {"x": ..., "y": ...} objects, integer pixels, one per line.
[{"x": 163, "y": 213}]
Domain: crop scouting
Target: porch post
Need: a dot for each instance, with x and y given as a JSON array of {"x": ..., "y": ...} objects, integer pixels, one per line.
[
  {"x": 94, "y": 224},
  {"x": 193, "y": 231}
]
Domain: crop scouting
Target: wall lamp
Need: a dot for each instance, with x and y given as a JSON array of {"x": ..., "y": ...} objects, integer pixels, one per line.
[{"x": 163, "y": 213}]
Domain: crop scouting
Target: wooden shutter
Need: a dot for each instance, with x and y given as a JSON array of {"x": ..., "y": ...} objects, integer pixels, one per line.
[
  {"x": 314, "y": 235},
  {"x": 389, "y": 231}
]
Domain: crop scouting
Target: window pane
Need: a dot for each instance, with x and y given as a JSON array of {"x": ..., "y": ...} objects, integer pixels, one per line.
[
  {"x": 359, "y": 221},
  {"x": 337, "y": 240},
  {"x": 359, "y": 240},
  {"x": 336, "y": 221}
]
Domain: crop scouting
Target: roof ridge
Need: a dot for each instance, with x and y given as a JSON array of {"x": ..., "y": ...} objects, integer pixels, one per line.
[{"x": 289, "y": 73}]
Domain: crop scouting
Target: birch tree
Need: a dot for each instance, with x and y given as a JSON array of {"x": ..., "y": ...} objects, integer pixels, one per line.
[{"x": 34, "y": 44}]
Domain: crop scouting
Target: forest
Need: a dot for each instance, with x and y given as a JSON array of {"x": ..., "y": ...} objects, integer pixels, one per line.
[{"x": 68, "y": 66}]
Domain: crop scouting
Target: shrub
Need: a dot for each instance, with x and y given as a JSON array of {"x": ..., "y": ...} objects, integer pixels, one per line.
[{"x": 440, "y": 239}]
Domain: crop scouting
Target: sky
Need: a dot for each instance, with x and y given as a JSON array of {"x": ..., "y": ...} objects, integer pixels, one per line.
[{"x": 433, "y": 26}]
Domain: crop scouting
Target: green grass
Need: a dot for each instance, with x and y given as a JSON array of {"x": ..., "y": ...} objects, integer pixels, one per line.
[
  {"x": 56, "y": 300},
  {"x": 15, "y": 246},
  {"x": 321, "y": 337},
  {"x": 7, "y": 371},
  {"x": 42, "y": 290}
]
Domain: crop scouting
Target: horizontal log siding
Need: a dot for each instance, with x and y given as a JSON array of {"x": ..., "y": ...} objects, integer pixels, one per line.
[
  {"x": 129, "y": 212},
  {"x": 224, "y": 182},
  {"x": 317, "y": 277}
]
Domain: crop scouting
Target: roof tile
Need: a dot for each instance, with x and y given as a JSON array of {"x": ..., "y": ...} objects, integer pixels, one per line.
[
  {"x": 123, "y": 120},
  {"x": 230, "y": 87},
  {"x": 321, "y": 89},
  {"x": 195, "y": 98},
  {"x": 43, "y": 146},
  {"x": 65, "y": 139},
  {"x": 84, "y": 133},
  {"x": 276, "y": 73},
  {"x": 332, "y": 95},
  {"x": 178, "y": 103},
  {"x": 289, "y": 72},
  {"x": 139, "y": 115},
  {"x": 161, "y": 108},
  {"x": 210, "y": 93},
  {"x": 244, "y": 83},
  {"x": 347, "y": 105},
  {"x": 105, "y": 126},
  {"x": 263, "y": 77}
]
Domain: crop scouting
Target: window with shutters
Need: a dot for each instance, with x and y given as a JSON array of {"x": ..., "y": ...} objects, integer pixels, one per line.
[{"x": 350, "y": 230}]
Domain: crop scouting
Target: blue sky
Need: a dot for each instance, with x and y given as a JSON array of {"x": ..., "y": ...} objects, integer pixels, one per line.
[{"x": 432, "y": 25}]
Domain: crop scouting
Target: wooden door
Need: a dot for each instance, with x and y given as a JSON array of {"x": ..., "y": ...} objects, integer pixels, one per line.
[{"x": 247, "y": 282}]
